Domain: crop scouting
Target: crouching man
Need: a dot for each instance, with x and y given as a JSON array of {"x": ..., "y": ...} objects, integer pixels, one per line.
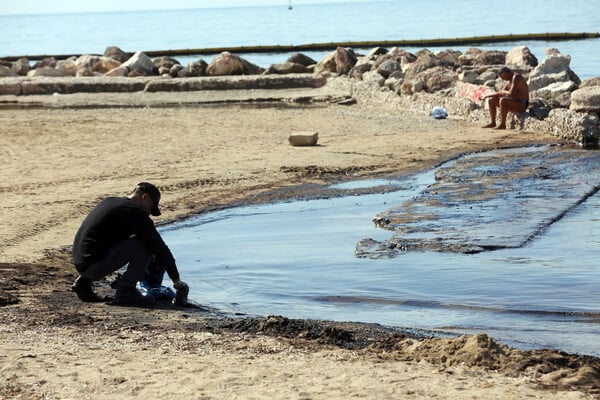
[{"x": 119, "y": 232}]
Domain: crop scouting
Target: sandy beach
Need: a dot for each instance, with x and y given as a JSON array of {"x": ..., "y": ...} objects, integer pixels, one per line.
[{"x": 59, "y": 161}]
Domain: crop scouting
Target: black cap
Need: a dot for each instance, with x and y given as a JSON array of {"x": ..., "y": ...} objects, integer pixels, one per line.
[{"x": 154, "y": 194}]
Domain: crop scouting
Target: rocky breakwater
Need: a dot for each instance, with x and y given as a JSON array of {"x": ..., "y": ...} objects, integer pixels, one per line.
[
  {"x": 138, "y": 72},
  {"x": 560, "y": 103}
]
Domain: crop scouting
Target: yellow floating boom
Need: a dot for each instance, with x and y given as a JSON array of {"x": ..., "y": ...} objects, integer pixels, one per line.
[{"x": 473, "y": 40}]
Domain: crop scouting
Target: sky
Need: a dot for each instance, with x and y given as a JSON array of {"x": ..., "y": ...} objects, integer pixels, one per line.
[{"x": 10, "y": 7}]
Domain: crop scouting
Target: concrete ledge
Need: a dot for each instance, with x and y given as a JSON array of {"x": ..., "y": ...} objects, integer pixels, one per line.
[
  {"x": 245, "y": 82},
  {"x": 10, "y": 86},
  {"x": 69, "y": 85}
]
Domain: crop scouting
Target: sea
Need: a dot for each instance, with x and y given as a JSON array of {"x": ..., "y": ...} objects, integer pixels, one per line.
[
  {"x": 297, "y": 258},
  {"x": 74, "y": 34}
]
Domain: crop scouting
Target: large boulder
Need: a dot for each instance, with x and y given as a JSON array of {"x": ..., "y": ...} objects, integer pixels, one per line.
[
  {"x": 557, "y": 94},
  {"x": 68, "y": 67},
  {"x": 140, "y": 64},
  {"x": 586, "y": 99},
  {"x": 438, "y": 78},
  {"x": 116, "y": 54},
  {"x": 21, "y": 66},
  {"x": 521, "y": 57},
  {"x": 388, "y": 67},
  {"x": 251, "y": 68},
  {"x": 327, "y": 64},
  {"x": 105, "y": 64},
  {"x": 225, "y": 63},
  {"x": 302, "y": 59},
  {"x": 345, "y": 59},
  {"x": 554, "y": 68}
]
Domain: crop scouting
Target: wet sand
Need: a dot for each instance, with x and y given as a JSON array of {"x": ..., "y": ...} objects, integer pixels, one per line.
[{"x": 58, "y": 162}]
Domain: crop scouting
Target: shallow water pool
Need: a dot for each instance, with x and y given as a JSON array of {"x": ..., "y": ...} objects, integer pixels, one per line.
[{"x": 297, "y": 259}]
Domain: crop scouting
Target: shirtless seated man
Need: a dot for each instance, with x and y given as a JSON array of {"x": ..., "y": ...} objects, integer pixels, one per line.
[{"x": 514, "y": 97}]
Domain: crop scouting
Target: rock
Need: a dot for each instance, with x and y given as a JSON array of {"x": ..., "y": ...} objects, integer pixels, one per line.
[
  {"x": 412, "y": 87},
  {"x": 373, "y": 77},
  {"x": 402, "y": 56},
  {"x": 140, "y": 64},
  {"x": 164, "y": 62},
  {"x": 469, "y": 76},
  {"x": 7, "y": 72},
  {"x": 572, "y": 125},
  {"x": 105, "y": 64},
  {"x": 424, "y": 62},
  {"x": 345, "y": 59},
  {"x": 116, "y": 54},
  {"x": 450, "y": 56},
  {"x": 475, "y": 56},
  {"x": 586, "y": 99},
  {"x": 67, "y": 67},
  {"x": 486, "y": 76},
  {"x": 49, "y": 62},
  {"x": 6, "y": 63},
  {"x": 492, "y": 57},
  {"x": 375, "y": 53},
  {"x": 394, "y": 84},
  {"x": 225, "y": 64},
  {"x": 303, "y": 139},
  {"x": 359, "y": 69},
  {"x": 87, "y": 61},
  {"x": 250, "y": 68},
  {"x": 590, "y": 82},
  {"x": 21, "y": 66},
  {"x": 287, "y": 68},
  {"x": 521, "y": 56},
  {"x": 175, "y": 69},
  {"x": 301, "y": 59},
  {"x": 327, "y": 64},
  {"x": 554, "y": 68},
  {"x": 120, "y": 71},
  {"x": 557, "y": 94},
  {"x": 194, "y": 68},
  {"x": 388, "y": 67},
  {"x": 438, "y": 78}
]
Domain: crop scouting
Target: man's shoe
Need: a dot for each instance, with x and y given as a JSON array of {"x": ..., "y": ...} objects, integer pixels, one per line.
[
  {"x": 83, "y": 288},
  {"x": 130, "y": 296}
]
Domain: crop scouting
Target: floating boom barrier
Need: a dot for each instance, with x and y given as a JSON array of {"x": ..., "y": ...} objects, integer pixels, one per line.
[{"x": 473, "y": 40}]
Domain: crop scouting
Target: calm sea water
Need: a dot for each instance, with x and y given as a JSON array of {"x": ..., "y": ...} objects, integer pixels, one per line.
[{"x": 379, "y": 20}]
